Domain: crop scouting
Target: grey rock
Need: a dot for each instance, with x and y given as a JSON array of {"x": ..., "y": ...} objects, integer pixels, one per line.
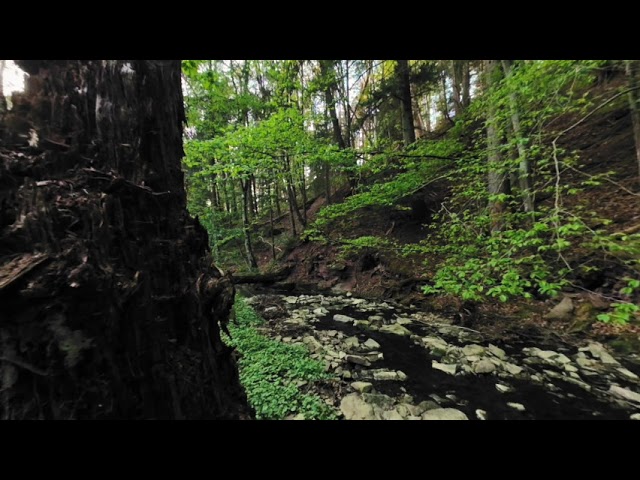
[
  {"x": 401, "y": 375},
  {"x": 561, "y": 311},
  {"x": 331, "y": 333},
  {"x": 473, "y": 349},
  {"x": 570, "y": 368},
  {"x": 379, "y": 400},
  {"x": 635, "y": 416},
  {"x": 578, "y": 382},
  {"x": 376, "y": 319},
  {"x": 435, "y": 343},
  {"x": 598, "y": 351},
  {"x": 403, "y": 321},
  {"x": 320, "y": 311},
  {"x": 562, "y": 359},
  {"x": 404, "y": 410},
  {"x": 585, "y": 363},
  {"x": 546, "y": 355},
  {"x": 385, "y": 375},
  {"x": 628, "y": 374},
  {"x": 357, "y": 360},
  {"x": 363, "y": 324},
  {"x": 484, "y": 366},
  {"x": 373, "y": 356},
  {"x": 372, "y": 344},
  {"x": 343, "y": 318},
  {"x": 358, "y": 301},
  {"x": 503, "y": 388},
  {"x": 291, "y": 300},
  {"x": 497, "y": 352},
  {"x": 395, "y": 329},
  {"x": 352, "y": 342},
  {"x": 444, "y": 414},
  {"x": 516, "y": 406},
  {"x": 353, "y": 407},
  {"x": 624, "y": 393},
  {"x": 449, "y": 368},
  {"x": 392, "y": 415},
  {"x": 362, "y": 387},
  {"x": 481, "y": 414},
  {"x": 512, "y": 368},
  {"x": 346, "y": 374}
]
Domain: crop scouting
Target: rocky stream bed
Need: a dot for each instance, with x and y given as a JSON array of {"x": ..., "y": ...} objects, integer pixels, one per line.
[{"x": 399, "y": 363}]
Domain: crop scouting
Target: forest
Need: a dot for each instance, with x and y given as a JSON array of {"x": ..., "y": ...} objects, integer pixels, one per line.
[{"x": 320, "y": 239}]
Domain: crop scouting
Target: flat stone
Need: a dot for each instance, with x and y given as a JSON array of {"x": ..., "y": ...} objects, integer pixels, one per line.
[
  {"x": 401, "y": 375},
  {"x": 585, "y": 363},
  {"x": 449, "y": 368},
  {"x": 362, "y": 387},
  {"x": 376, "y": 318},
  {"x": 562, "y": 359},
  {"x": 481, "y": 414},
  {"x": 577, "y": 382},
  {"x": 635, "y": 416},
  {"x": 497, "y": 352},
  {"x": 503, "y": 388},
  {"x": 392, "y": 415},
  {"x": 570, "y": 368},
  {"x": 362, "y": 323},
  {"x": 473, "y": 349},
  {"x": 561, "y": 311},
  {"x": 403, "y": 321},
  {"x": 331, "y": 333},
  {"x": 346, "y": 374},
  {"x": 484, "y": 366},
  {"x": 598, "y": 351},
  {"x": 435, "y": 343},
  {"x": 385, "y": 375},
  {"x": 343, "y": 318},
  {"x": 512, "y": 368},
  {"x": 320, "y": 311},
  {"x": 357, "y": 360},
  {"x": 516, "y": 406},
  {"x": 546, "y": 355},
  {"x": 352, "y": 342},
  {"x": 358, "y": 301},
  {"x": 624, "y": 393},
  {"x": 627, "y": 373},
  {"x": 353, "y": 407},
  {"x": 373, "y": 356},
  {"x": 444, "y": 414},
  {"x": 372, "y": 344},
  {"x": 291, "y": 300},
  {"x": 395, "y": 329}
]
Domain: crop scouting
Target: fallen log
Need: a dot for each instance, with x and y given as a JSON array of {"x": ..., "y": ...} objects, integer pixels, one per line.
[{"x": 264, "y": 278}]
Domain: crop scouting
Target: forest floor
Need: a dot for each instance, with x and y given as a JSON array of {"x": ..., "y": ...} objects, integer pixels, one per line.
[{"x": 604, "y": 143}]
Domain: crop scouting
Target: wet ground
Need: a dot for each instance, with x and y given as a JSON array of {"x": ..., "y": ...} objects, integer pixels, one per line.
[{"x": 393, "y": 362}]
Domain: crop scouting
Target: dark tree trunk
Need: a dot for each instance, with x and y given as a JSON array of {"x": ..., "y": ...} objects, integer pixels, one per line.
[
  {"x": 246, "y": 207},
  {"x": 408, "y": 132},
  {"x": 110, "y": 302}
]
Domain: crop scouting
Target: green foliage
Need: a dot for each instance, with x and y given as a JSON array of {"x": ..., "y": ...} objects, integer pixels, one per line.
[
  {"x": 623, "y": 312},
  {"x": 270, "y": 371}
]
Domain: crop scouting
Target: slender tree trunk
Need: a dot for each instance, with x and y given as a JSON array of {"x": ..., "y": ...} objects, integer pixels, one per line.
[
  {"x": 633, "y": 72},
  {"x": 496, "y": 175},
  {"x": 327, "y": 71},
  {"x": 456, "y": 86},
  {"x": 408, "y": 130},
  {"x": 110, "y": 302},
  {"x": 277, "y": 194},
  {"x": 3, "y": 101},
  {"x": 271, "y": 227},
  {"x": 417, "y": 115},
  {"x": 524, "y": 173},
  {"x": 246, "y": 206},
  {"x": 304, "y": 194},
  {"x": 466, "y": 84},
  {"x": 327, "y": 182}
]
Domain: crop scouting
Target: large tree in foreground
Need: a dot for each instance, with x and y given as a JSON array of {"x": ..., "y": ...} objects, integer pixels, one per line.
[{"x": 111, "y": 307}]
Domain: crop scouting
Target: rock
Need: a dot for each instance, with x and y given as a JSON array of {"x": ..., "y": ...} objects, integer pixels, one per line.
[
  {"x": 353, "y": 407},
  {"x": 516, "y": 406},
  {"x": 404, "y": 410},
  {"x": 379, "y": 400},
  {"x": 562, "y": 359},
  {"x": 312, "y": 344},
  {"x": 449, "y": 368},
  {"x": 435, "y": 344},
  {"x": 497, "y": 352},
  {"x": 403, "y": 321},
  {"x": 585, "y": 363},
  {"x": 481, "y": 414},
  {"x": 362, "y": 387},
  {"x": 444, "y": 414},
  {"x": 628, "y": 374},
  {"x": 473, "y": 349},
  {"x": 561, "y": 311},
  {"x": 385, "y": 375},
  {"x": 392, "y": 415},
  {"x": 598, "y": 351},
  {"x": 349, "y": 294},
  {"x": 401, "y": 375},
  {"x": 512, "y": 368},
  {"x": 635, "y": 416},
  {"x": 472, "y": 358},
  {"x": 376, "y": 319},
  {"x": 546, "y": 355},
  {"x": 362, "y": 324},
  {"x": 536, "y": 378},
  {"x": 291, "y": 300},
  {"x": 321, "y": 311},
  {"x": 624, "y": 393},
  {"x": 577, "y": 382},
  {"x": 358, "y": 301},
  {"x": 484, "y": 366},
  {"x": 503, "y": 388},
  {"x": 343, "y": 318},
  {"x": 287, "y": 340},
  {"x": 373, "y": 356},
  {"x": 347, "y": 374},
  {"x": 331, "y": 333},
  {"x": 395, "y": 329},
  {"x": 357, "y": 360},
  {"x": 352, "y": 342},
  {"x": 570, "y": 368},
  {"x": 372, "y": 344}
]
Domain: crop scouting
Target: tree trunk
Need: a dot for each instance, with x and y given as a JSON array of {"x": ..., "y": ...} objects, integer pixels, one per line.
[
  {"x": 3, "y": 101},
  {"x": 633, "y": 72},
  {"x": 524, "y": 173},
  {"x": 466, "y": 84},
  {"x": 110, "y": 302},
  {"x": 327, "y": 71},
  {"x": 246, "y": 207},
  {"x": 408, "y": 131},
  {"x": 496, "y": 175}
]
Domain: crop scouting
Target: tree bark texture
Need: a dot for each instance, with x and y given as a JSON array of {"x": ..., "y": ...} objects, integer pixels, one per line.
[{"x": 111, "y": 306}]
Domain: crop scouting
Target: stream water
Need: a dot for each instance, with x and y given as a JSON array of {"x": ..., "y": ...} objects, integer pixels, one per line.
[{"x": 394, "y": 362}]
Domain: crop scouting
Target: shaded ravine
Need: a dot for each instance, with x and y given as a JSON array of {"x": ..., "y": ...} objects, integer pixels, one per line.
[{"x": 550, "y": 396}]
